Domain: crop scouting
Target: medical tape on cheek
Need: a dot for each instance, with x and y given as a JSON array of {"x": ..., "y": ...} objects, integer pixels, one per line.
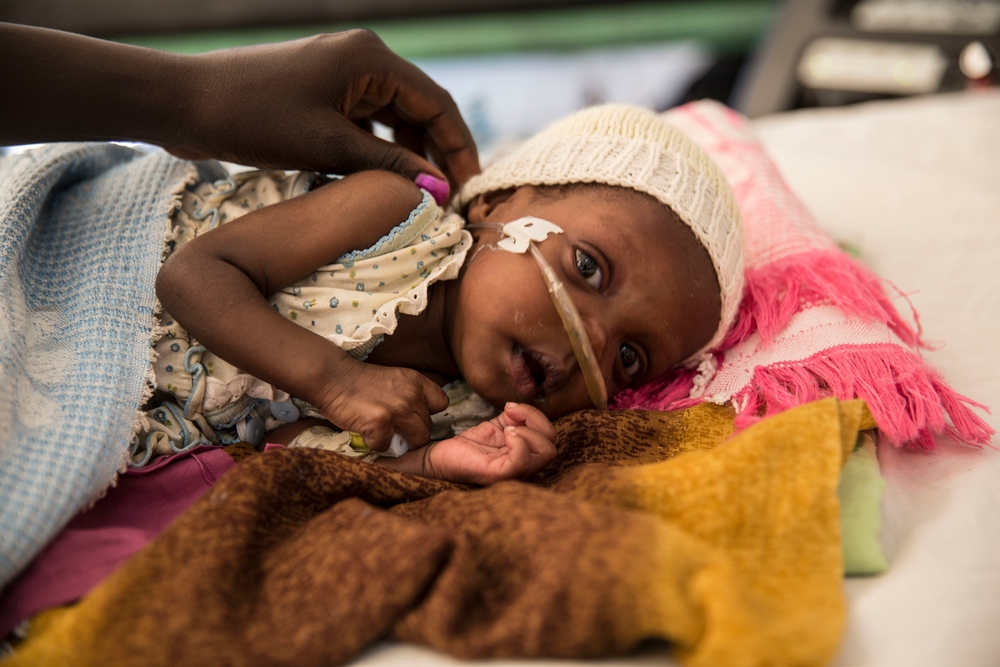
[{"x": 522, "y": 235}]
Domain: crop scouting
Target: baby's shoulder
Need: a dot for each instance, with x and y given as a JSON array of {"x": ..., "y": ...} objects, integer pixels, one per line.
[{"x": 427, "y": 225}]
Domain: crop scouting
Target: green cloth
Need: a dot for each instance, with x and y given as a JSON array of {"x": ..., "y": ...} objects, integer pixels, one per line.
[{"x": 860, "y": 492}]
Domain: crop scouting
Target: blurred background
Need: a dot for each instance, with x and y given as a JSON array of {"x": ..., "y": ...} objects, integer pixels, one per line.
[{"x": 515, "y": 65}]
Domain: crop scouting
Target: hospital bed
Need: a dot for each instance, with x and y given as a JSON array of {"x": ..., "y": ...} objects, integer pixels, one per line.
[{"x": 915, "y": 186}]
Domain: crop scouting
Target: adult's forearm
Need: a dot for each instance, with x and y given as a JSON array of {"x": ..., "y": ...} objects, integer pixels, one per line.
[
  {"x": 58, "y": 86},
  {"x": 290, "y": 105}
]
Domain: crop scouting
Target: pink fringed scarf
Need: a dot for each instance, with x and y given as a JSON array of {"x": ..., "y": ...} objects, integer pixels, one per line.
[{"x": 813, "y": 322}]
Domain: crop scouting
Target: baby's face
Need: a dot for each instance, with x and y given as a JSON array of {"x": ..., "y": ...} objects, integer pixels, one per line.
[{"x": 644, "y": 286}]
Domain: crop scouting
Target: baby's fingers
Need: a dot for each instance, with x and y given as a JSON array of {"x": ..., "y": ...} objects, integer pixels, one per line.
[
  {"x": 528, "y": 450},
  {"x": 522, "y": 414}
]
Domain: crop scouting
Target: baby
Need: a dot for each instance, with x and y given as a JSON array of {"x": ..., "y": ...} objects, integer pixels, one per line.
[{"x": 279, "y": 318}]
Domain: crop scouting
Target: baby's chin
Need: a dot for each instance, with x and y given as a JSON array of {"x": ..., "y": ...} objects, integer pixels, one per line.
[
  {"x": 555, "y": 407},
  {"x": 498, "y": 390},
  {"x": 554, "y": 412},
  {"x": 492, "y": 394}
]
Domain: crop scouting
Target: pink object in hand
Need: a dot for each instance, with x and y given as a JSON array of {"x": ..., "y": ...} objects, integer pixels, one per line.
[{"x": 439, "y": 189}]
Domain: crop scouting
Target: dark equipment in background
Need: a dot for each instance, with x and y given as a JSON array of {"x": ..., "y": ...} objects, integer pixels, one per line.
[
  {"x": 815, "y": 53},
  {"x": 110, "y": 18},
  {"x": 834, "y": 52}
]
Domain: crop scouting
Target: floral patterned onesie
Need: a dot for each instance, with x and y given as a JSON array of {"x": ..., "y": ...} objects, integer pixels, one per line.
[{"x": 354, "y": 302}]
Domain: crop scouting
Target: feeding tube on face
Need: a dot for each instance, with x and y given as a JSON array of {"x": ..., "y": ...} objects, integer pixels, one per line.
[
  {"x": 521, "y": 235},
  {"x": 573, "y": 324}
]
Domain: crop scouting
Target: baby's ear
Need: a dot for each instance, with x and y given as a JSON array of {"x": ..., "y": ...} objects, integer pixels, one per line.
[{"x": 484, "y": 206}]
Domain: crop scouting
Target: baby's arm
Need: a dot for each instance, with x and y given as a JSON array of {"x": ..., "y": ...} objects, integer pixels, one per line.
[
  {"x": 517, "y": 443},
  {"x": 217, "y": 285}
]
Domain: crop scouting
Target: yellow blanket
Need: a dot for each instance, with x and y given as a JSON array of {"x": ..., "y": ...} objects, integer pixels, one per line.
[{"x": 647, "y": 526}]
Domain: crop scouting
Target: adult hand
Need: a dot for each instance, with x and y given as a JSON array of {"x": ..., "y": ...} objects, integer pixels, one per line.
[
  {"x": 305, "y": 104},
  {"x": 292, "y": 105}
]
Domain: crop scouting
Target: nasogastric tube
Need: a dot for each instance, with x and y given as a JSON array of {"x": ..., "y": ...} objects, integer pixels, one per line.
[{"x": 572, "y": 323}]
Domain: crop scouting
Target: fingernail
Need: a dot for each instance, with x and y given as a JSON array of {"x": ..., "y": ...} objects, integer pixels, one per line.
[
  {"x": 510, "y": 404},
  {"x": 510, "y": 429},
  {"x": 439, "y": 189}
]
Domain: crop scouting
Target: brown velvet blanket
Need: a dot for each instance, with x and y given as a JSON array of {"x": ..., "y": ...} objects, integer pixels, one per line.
[{"x": 647, "y": 526}]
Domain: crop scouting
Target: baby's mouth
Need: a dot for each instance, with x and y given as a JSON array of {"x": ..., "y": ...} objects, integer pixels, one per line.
[{"x": 535, "y": 374}]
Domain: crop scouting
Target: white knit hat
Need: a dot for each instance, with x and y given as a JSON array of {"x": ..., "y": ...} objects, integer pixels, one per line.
[{"x": 631, "y": 147}]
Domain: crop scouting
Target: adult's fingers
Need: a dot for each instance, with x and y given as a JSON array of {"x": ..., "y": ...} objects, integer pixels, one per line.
[
  {"x": 410, "y": 137},
  {"x": 414, "y": 137},
  {"x": 360, "y": 151},
  {"x": 420, "y": 101}
]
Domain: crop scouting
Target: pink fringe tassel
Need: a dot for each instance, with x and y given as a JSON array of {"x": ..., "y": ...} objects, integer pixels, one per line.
[
  {"x": 776, "y": 292},
  {"x": 908, "y": 400}
]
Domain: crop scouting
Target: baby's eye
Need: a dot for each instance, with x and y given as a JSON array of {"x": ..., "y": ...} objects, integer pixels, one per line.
[
  {"x": 589, "y": 269},
  {"x": 630, "y": 359}
]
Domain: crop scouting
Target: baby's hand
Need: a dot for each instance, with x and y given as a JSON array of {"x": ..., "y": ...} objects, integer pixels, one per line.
[
  {"x": 517, "y": 443},
  {"x": 376, "y": 401}
]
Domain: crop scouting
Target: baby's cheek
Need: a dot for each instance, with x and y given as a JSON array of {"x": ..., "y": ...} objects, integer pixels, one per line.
[
  {"x": 495, "y": 393},
  {"x": 571, "y": 399}
]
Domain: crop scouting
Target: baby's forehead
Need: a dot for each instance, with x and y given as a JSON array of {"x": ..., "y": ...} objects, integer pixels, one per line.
[
  {"x": 646, "y": 243},
  {"x": 634, "y": 218}
]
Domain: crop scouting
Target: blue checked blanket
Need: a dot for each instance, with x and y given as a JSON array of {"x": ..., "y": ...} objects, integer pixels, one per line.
[{"x": 81, "y": 237}]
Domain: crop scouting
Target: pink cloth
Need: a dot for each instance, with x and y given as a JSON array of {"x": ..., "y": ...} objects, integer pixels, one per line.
[
  {"x": 813, "y": 322},
  {"x": 98, "y": 540}
]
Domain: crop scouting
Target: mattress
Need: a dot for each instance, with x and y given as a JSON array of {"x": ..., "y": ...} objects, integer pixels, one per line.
[{"x": 915, "y": 186}]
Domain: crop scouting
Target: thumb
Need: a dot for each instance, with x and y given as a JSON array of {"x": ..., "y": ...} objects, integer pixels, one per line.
[
  {"x": 437, "y": 399},
  {"x": 358, "y": 150}
]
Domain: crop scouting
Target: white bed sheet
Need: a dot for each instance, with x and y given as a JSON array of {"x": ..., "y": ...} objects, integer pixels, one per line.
[{"x": 914, "y": 184}]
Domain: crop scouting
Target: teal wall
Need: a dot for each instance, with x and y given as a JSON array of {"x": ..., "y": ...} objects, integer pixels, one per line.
[{"x": 727, "y": 26}]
